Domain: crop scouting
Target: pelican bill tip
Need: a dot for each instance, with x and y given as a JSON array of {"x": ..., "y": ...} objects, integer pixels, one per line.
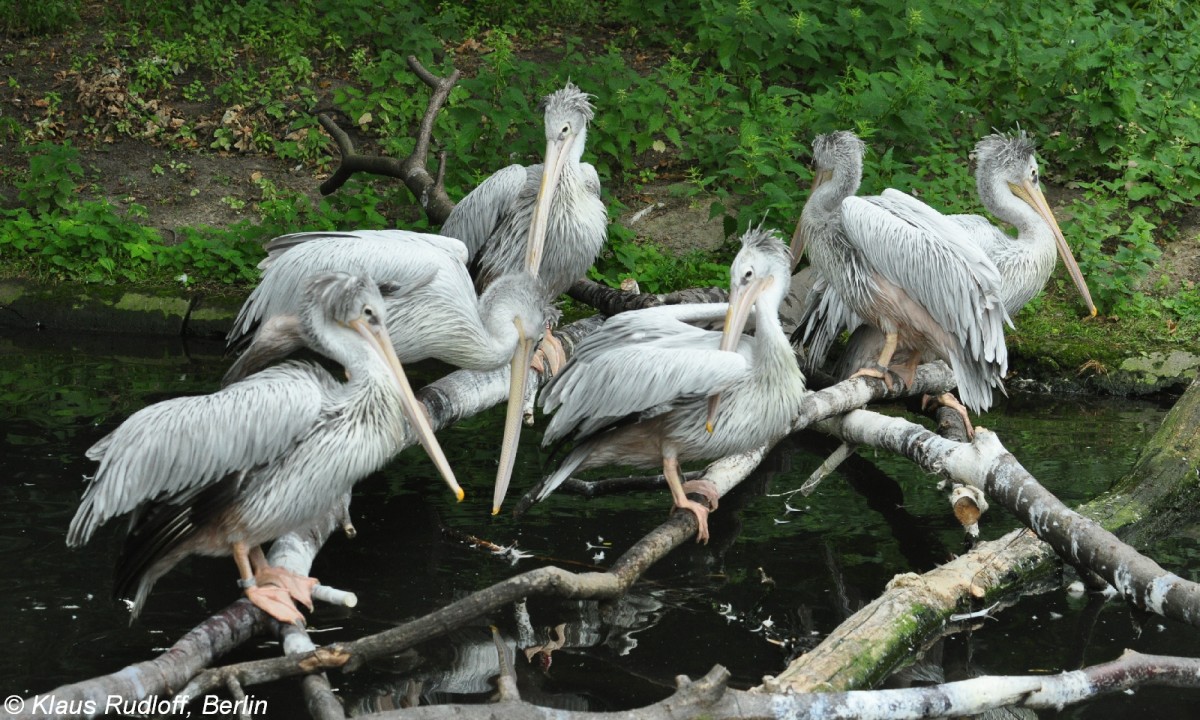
[
  {"x": 709, "y": 427},
  {"x": 495, "y": 510},
  {"x": 459, "y": 494}
]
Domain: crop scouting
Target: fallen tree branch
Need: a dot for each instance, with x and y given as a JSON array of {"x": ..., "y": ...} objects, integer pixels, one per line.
[
  {"x": 413, "y": 170},
  {"x": 1080, "y": 541},
  {"x": 611, "y": 301},
  {"x": 709, "y": 697}
]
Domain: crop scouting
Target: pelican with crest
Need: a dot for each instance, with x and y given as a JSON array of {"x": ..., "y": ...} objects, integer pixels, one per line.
[
  {"x": 636, "y": 392},
  {"x": 223, "y": 473}
]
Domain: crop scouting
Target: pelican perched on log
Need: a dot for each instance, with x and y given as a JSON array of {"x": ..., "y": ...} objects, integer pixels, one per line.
[
  {"x": 273, "y": 453},
  {"x": 1006, "y": 178},
  {"x": 547, "y": 219},
  {"x": 636, "y": 391},
  {"x": 431, "y": 309},
  {"x": 907, "y": 270}
]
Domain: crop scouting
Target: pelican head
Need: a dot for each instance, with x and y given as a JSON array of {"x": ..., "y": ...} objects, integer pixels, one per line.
[
  {"x": 512, "y": 309},
  {"x": 758, "y": 274},
  {"x": 836, "y": 156},
  {"x": 568, "y": 112},
  {"x": 343, "y": 316},
  {"x": 1011, "y": 159}
]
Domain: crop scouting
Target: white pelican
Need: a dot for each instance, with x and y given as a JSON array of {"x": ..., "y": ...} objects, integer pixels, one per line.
[
  {"x": 223, "y": 473},
  {"x": 636, "y": 391}
]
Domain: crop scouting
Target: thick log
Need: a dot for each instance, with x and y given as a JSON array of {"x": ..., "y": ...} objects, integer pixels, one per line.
[
  {"x": 1158, "y": 496},
  {"x": 709, "y": 697}
]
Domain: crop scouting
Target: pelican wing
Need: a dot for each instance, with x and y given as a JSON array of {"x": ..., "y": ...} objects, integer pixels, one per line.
[
  {"x": 181, "y": 445},
  {"x": 643, "y": 361},
  {"x": 936, "y": 263},
  {"x": 991, "y": 239},
  {"x": 477, "y": 216},
  {"x": 824, "y": 318},
  {"x": 407, "y": 260}
]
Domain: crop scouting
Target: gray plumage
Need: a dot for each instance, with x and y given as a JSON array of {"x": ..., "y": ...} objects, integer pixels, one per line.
[
  {"x": 256, "y": 459},
  {"x": 495, "y": 220},
  {"x": 636, "y": 391},
  {"x": 1004, "y": 164},
  {"x": 904, "y": 268},
  {"x": 431, "y": 307}
]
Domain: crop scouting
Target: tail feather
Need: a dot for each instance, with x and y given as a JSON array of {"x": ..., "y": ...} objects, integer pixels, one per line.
[{"x": 551, "y": 482}]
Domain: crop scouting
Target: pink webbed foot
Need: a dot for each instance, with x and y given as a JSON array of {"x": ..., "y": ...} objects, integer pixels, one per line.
[
  {"x": 276, "y": 602},
  {"x": 948, "y": 400},
  {"x": 706, "y": 489},
  {"x": 298, "y": 587},
  {"x": 549, "y": 355},
  {"x": 701, "y": 513},
  {"x": 878, "y": 372}
]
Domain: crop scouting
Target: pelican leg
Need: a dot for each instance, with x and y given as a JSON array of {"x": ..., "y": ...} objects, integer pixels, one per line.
[
  {"x": 885, "y": 358},
  {"x": 271, "y": 599},
  {"x": 908, "y": 370},
  {"x": 549, "y": 355},
  {"x": 675, "y": 482},
  {"x": 298, "y": 587},
  {"x": 948, "y": 400}
]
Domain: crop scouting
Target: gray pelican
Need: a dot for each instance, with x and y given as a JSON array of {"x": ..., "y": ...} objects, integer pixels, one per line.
[
  {"x": 547, "y": 218},
  {"x": 1006, "y": 178},
  {"x": 636, "y": 391},
  {"x": 907, "y": 270},
  {"x": 431, "y": 309},
  {"x": 223, "y": 473}
]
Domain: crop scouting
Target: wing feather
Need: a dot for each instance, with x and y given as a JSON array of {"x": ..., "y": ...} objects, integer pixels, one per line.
[
  {"x": 936, "y": 263},
  {"x": 178, "y": 445},
  {"x": 476, "y": 217},
  {"x": 405, "y": 258},
  {"x": 640, "y": 361}
]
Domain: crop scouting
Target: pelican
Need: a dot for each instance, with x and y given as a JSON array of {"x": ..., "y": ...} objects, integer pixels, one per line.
[
  {"x": 548, "y": 218},
  {"x": 431, "y": 309},
  {"x": 636, "y": 391},
  {"x": 907, "y": 270},
  {"x": 226, "y": 472},
  {"x": 1006, "y": 178}
]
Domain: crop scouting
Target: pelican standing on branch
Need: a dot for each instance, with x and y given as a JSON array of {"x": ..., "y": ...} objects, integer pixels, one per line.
[
  {"x": 431, "y": 309},
  {"x": 547, "y": 219},
  {"x": 223, "y": 473},
  {"x": 908, "y": 271},
  {"x": 1007, "y": 180},
  {"x": 636, "y": 391}
]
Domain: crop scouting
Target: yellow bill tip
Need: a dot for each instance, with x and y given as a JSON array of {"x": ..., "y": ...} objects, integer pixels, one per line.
[
  {"x": 709, "y": 427},
  {"x": 495, "y": 511},
  {"x": 1094, "y": 311},
  {"x": 459, "y": 494}
]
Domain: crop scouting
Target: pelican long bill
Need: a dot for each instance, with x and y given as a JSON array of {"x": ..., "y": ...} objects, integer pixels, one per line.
[
  {"x": 558, "y": 151},
  {"x": 413, "y": 411},
  {"x": 741, "y": 303},
  {"x": 518, "y": 375},
  {"x": 1031, "y": 194}
]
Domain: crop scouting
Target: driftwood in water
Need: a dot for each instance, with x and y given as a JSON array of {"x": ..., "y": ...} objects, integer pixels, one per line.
[{"x": 710, "y": 697}]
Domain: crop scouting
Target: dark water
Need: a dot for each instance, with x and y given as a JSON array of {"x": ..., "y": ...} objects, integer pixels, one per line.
[{"x": 699, "y": 607}]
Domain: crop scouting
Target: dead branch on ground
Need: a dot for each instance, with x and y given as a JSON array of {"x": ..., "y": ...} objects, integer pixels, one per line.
[{"x": 429, "y": 191}]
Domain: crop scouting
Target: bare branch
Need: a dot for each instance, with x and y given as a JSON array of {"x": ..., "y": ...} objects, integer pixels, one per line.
[{"x": 413, "y": 170}]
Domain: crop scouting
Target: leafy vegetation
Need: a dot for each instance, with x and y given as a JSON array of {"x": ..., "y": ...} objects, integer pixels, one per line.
[{"x": 720, "y": 97}]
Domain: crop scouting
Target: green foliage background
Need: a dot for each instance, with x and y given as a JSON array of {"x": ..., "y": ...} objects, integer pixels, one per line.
[{"x": 722, "y": 96}]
